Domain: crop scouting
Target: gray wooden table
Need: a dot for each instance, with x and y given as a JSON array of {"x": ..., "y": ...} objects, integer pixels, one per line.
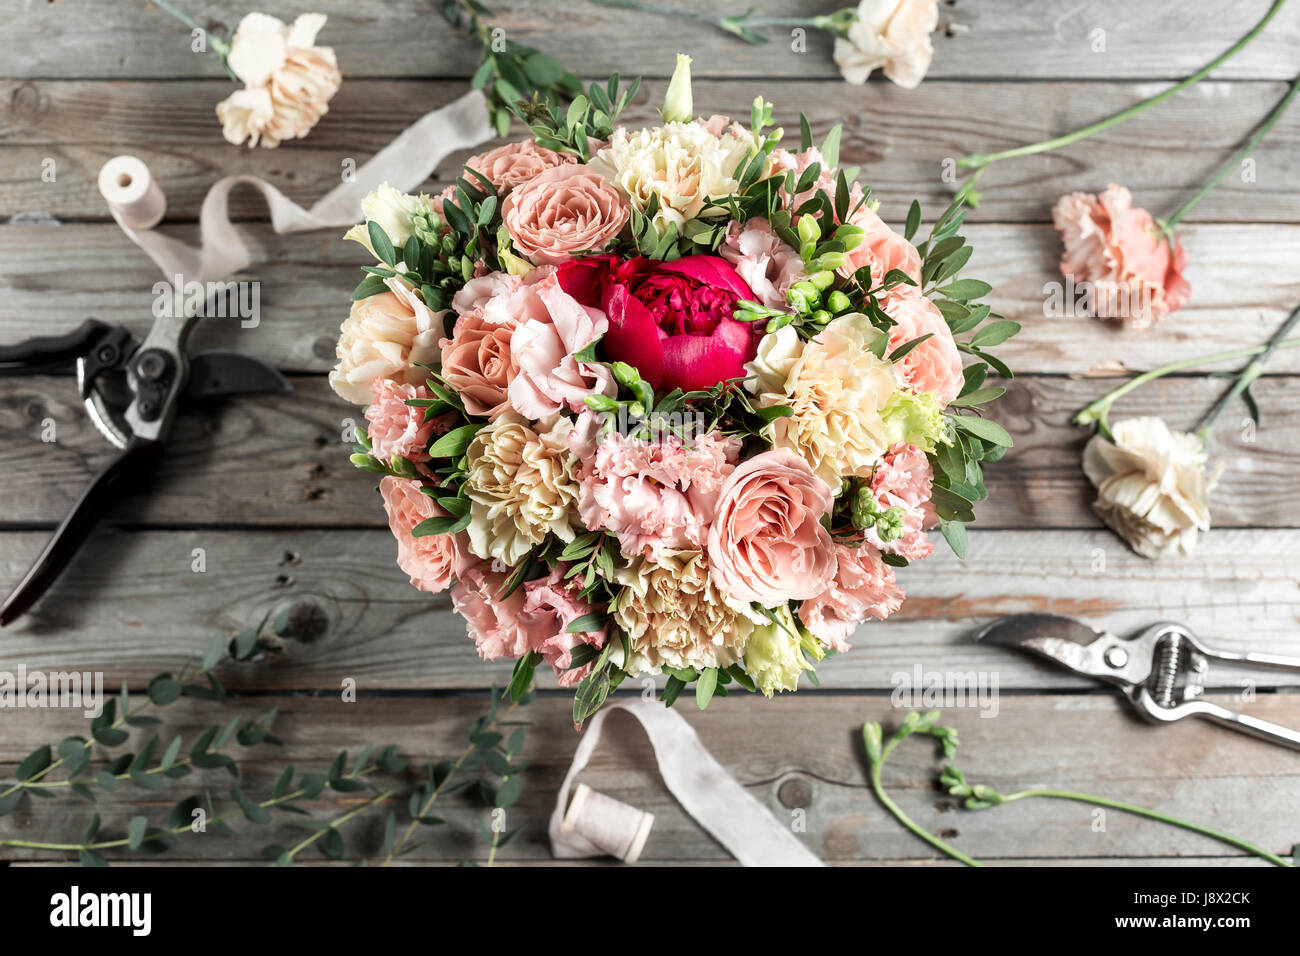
[{"x": 263, "y": 485}]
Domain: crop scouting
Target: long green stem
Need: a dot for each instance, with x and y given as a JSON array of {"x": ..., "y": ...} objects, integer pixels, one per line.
[
  {"x": 741, "y": 25},
  {"x": 980, "y": 160},
  {"x": 221, "y": 47},
  {"x": 1247, "y": 375},
  {"x": 907, "y": 821},
  {"x": 1236, "y": 159},
  {"x": 339, "y": 821},
  {"x": 1089, "y": 798}
]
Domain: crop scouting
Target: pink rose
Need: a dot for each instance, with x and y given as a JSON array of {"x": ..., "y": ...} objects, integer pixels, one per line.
[
  {"x": 882, "y": 249},
  {"x": 935, "y": 364},
  {"x": 550, "y": 605},
  {"x": 904, "y": 478},
  {"x": 552, "y": 327},
  {"x": 477, "y": 361},
  {"x": 655, "y": 495},
  {"x": 768, "y": 264},
  {"x": 513, "y": 164},
  {"x": 767, "y": 542},
  {"x": 671, "y": 320},
  {"x": 562, "y": 211},
  {"x": 397, "y": 428},
  {"x": 495, "y": 624},
  {"x": 863, "y": 586},
  {"x": 1134, "y": 273},
  {"x": 433, "y": 560}
]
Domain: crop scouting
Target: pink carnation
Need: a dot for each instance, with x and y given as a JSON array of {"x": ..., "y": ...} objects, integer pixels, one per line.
[
  {"x": 397, "y": 428},
  {"x": 553, "y": 326},
  {"x": 1135, "y": 272},
  {"x": 655, "y": 495},
  {"x": 904, "y": 478},
  {"x": 784, "y": 161},
  {"x": 495, "y": 624},
  {"x": 863, "y": 587},
  {"x": 550, "y": 605},
  {"x": 515, "y": 163},
  {"x": 432, "y": 560},
  {"x": 935, "y": 364},
  {"x": 768, "y": 264}
]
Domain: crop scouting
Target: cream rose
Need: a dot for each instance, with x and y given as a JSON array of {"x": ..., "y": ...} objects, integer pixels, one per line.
[
  {"x": 1151, "y": 485},
  {"x": 520, "y": 486},
  {"x": 383, "y": 337}
]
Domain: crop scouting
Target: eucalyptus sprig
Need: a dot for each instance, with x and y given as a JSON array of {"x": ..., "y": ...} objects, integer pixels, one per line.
[{"x": 983, "y": 797}]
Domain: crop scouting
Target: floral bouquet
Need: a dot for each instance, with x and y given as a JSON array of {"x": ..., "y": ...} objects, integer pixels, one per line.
[{"x": 668, "y": 400}]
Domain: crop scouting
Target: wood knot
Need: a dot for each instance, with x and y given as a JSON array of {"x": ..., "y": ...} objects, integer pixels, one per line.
[{"x": 794, "y": 792}]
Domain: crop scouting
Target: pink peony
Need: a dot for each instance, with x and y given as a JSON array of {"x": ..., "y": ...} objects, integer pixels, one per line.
[
  {"x": 881, "y": 249},
  {"x": 552, "y": 327},
  {"x": 768, "y": 264},
  {"x": 1136, "y": 274},
  {"x": 655, "y": 495},
  {"x": 671, "y": 320},
  {"x": 935, "y": 364},
  {"x": 550, "y": 605},
  {"x": 495, "y": 625},
  {"x": 433, "y": 560},
  {"x": 397, "y": 428},
  {"x": 904, "y": 478},
  {"x": 767, "y": 542},
  {"x": 563, "y": 211},
  {"x": 513, "y": 164},
  {"x": 863, "y": 586}
]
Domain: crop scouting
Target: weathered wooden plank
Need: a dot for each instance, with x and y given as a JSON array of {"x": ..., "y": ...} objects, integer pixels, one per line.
[
  {"x": 133, "y": 603},
  {"x": 282, "y": 459},
  {"x": 1243, "y": 284},
  {"x": 905, "y": 141},
  {"x": 801, "y": 757},
  {"x": 976, "y": 38}
]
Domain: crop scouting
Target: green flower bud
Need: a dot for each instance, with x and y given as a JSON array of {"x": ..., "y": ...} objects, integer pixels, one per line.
[
  {"x": 625, "y": 374},
  {"x": 851, "y": 236},
  {"x": 838, "y": 302},
  {"x": 821, "y": 317},
  {"x": 810, "y": 229},
  {"x": 601, "y": 403},
  {"x": 798, "y": 301},
  {"x": 822, "y": 280},
  {"x": 889, "y": 525},
  {"x": 780, "y": 322},
  {"x": 828, "y": 260},
  {"x": 678, "y": 107}
]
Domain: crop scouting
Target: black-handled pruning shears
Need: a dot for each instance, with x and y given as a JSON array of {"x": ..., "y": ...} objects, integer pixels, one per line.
[{"x": 131, "y": 392}]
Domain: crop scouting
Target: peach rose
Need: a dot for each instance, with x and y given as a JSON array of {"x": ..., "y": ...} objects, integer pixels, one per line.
[
  {"x": 881, "y": 248},
  {"x": 767, "y": 543},
  {"x": 289, "y": 81},
  {"x": 383, "y": 337},
  {"x": 514, "y": 164},
  {"x": 432, "y": 560},
  {"x": 1134, "y": 273},
  {"x": 564, "y": 210},
  {"x": 894, "y": 34},
  {"x": 863, "y": 587},
  {"x": 935, "y": 364},
  {"x": 477, "y": 360},
  {"x": 398, "y": 429}
]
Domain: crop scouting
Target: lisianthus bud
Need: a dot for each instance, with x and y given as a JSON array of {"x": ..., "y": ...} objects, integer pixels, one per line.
[
  {"x": 678, "y": 107},
  {"x": 399, "y": 215},
  {"x": 772, "y": 655}
]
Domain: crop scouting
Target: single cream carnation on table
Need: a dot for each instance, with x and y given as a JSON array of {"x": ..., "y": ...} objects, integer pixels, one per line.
[{"x": 668, "y": 402}]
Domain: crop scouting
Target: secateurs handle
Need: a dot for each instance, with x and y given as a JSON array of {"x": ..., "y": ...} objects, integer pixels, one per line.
[{"x": 51, "y": 351}]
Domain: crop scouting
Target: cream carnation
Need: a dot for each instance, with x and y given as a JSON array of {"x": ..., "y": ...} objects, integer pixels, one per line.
[
  {"x": 837, "y": 388},
  {"x": 894, "y": 34},
  {"x": 384, "y": 336},
  {"x": 1151, "y": 485},
  {"x": 520, "y": 486},
  {"x": 683, "y": 164},
  {"x": 675, "y": 617}
]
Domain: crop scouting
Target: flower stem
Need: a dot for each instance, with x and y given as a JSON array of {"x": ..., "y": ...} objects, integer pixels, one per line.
[
  {"x": 1219, "y": 835},
  {"x": 980, "y": 160},
  {"x": 219, "y": 46},
  {"x": 337, "y": 822},
  {"x": 742, "y": 25},
  {"x": 907, "y": 821},
  {"x": 1248, "y": 375}
]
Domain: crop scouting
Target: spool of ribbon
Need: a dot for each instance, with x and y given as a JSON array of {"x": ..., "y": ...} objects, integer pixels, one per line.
[
  {"x": 129, "y": 188},
  {"x": 404, "y": 163},
  {"x": 619, "y": 829},
  {"x": 701, "y": 785}
]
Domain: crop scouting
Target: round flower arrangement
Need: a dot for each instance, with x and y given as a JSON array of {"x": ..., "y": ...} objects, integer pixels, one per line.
[{"x": 666, "y": 401}]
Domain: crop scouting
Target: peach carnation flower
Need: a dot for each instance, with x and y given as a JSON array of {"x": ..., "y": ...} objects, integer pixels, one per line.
[
  {"x": 767, "y": 543},
  {"x": 288, "y": 80},
  {"x": 935, "y": 364},
  {"x": 551, "y": 604},
  {"x": 863, "y": 587},
  {"x": 674, "y": 615},
  {"x": 904, "y": 478},
  {"x": 398, "y": 429},
  {"x": 520, "y": 486},
  {"x": 384, "y": 336},
  {"x": 1136, "y": 274},
  {"x": 432, "y": 560},
  {"x": 655, "y": 495},
  {"x": 513, "y": 164},
  {"x": 494, "y": 623},
  {"x": 562, "y": 211}
]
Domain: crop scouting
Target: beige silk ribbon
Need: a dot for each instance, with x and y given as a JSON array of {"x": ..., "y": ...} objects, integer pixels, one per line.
[
  {"x": 701, "y": 785},
  {"x": 404, "y": 163}
]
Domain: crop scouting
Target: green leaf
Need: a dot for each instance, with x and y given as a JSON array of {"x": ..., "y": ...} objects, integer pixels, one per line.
[
  {"x": 913, "y": 220},
  {"x": 587, "y": 624},
  {"x": 508, "y": 792},
  {"x": 966, "y": 289},
  {"x": 705, "y": 686},
  {"x": 831, "y": 147},
  {"x": 91, "y": 858},
  {"x": 984, "y": 429},
  {"x": 215, "y": 651},
  {"x": 135, "y": 832},
  {"x": 454, "y": 443},
  {"x": 441, "y": 524},
  {"x": 906, "y": 347},
  {"x": 995, "y": 333},
  {"x": 382, "y": 245},
  {"x": 35, "y": 762},
  {"x": 592, "y": 692},
  {"x": 164, "y": 690},
  {"x": 954, "y": 532},
  {"x": 979, "y": 396}
]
